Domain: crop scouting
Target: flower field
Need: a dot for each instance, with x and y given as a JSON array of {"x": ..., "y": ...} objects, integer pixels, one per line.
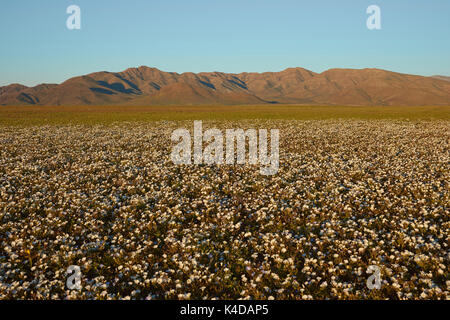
[{"x": 348, "y": 194}]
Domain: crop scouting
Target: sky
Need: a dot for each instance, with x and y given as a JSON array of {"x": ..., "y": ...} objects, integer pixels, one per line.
[{"x": 216, "y": 35}]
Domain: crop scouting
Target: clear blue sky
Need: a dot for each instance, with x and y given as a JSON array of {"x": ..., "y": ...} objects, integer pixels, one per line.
[{"x": 219, "y": 35}]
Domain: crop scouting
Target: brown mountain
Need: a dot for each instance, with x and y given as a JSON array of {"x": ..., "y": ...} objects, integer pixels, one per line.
[{"x": 150, "y": 86}]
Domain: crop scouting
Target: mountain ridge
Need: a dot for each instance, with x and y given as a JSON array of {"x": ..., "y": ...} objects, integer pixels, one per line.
[{"x": 151, "y": 86}]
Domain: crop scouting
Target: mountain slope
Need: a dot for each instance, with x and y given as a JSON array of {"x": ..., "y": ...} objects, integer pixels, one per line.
[
  {"x": 442, "y": 78},
  {"x": 150, "y": 86}
]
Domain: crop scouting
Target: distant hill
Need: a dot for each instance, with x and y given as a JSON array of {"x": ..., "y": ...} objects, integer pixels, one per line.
[{"x": 150, "y": 86}]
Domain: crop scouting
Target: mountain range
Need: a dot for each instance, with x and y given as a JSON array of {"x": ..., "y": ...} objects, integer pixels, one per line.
[{"x": 150, "y": 86}]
